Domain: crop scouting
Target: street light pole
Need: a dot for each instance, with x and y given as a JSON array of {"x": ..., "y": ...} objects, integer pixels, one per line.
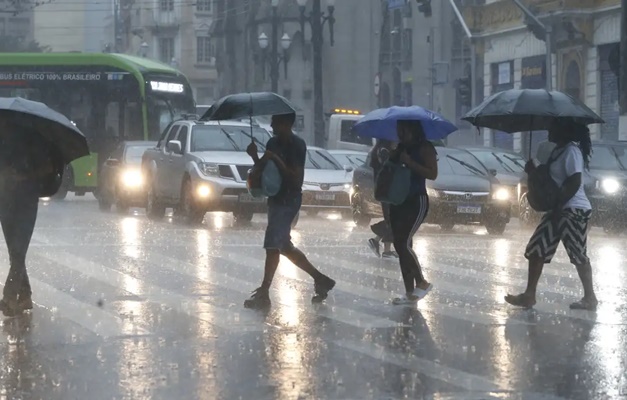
[
  {"x": 316, "y": 43},
  {"x": 274, "y": 52}
]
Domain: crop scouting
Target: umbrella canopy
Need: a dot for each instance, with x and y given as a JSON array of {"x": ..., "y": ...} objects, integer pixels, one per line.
[
  {"x": 381, "y": 123},
  {"x": 53, "y": 126},
  {"x": 243, "y": 105},
  {"x": 519, "y": 110}
]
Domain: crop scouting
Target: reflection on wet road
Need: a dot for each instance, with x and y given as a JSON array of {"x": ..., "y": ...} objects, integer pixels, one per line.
[{"x": 127, "y": 308}]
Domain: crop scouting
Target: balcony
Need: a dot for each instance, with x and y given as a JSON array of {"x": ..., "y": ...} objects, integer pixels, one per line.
[{"x": 165, "y": 20}]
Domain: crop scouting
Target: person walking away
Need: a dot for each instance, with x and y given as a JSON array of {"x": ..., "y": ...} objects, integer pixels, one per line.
[
  {"x": 568, "y": 222},
  {"x": 25, "y": 158},
  {"x": 289, "y": 153},
  {"x": 378, "y": 155},
  {"x": 420, "y": 157}
]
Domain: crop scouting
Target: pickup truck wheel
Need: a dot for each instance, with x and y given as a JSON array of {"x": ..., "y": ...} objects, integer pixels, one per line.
[
  {"x": 613, "y": 228},
  {"x": 359, "y": 217},
  {"x": 527, "y": 215},
  {"x": 496, "y": 227},
  {"x": 154, "y": 209},
  {"x": 243, "y": 216},
  {"x": 189, "y": 210},
  {"x": 104, "y": 204}
]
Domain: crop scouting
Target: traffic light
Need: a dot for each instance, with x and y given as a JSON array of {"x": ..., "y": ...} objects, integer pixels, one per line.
[
  {"x": 424, "y": 6},
  {"x": 464, "y": 91}
]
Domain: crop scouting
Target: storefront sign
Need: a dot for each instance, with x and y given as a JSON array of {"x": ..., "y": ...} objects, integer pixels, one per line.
[
  {"x": 533, "y": 73},
  {"x": 50, "y": 76},
  {"x": 167, "y": 87}
]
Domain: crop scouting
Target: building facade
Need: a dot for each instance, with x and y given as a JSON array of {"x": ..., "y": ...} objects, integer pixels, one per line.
[
  {"x": 175, "y": 32},
  {"x": 16, "y": 20},
  {"x": 74, "y": 25},
  {"x": 349, "y": 66},
  {"x": 584, "y": 62}
]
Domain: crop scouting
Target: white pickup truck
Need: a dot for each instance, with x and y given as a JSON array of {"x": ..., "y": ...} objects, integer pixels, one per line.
[{"x": 202, "y": 166}]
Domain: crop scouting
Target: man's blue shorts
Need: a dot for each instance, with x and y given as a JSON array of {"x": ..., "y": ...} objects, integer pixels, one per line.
[{"x": 280, "y": 218}]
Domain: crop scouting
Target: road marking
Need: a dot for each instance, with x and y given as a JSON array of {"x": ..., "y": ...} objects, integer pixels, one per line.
[
  {"x": 423, "y": 366},
  {"x": 199, "y": 309},
  {"x": 338, "y": 313}
]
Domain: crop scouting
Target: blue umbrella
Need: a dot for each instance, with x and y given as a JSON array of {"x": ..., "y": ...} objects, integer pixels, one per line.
[{"x": 381, "y": 123}]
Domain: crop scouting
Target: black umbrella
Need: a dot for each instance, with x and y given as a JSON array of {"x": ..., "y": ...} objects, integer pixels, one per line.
[
  {"x": 243, "y": 105},
  {"x": 53, "y": 126},
  {"x": 519, "y": 110}
]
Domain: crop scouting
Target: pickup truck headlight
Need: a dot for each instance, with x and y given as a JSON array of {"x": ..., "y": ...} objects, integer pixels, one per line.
[
  {"x": 610, "y": 185},
  {"x": 132, "y": 178},
  {"x": 501, "y": 194},
  {"x": 209, "y": 169}
]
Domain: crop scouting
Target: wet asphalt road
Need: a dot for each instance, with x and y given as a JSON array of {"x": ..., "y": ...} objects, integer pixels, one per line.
[{"x": 127, "y": 308}]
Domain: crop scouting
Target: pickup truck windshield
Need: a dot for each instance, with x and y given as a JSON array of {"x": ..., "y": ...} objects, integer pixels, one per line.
[{"x": 227, "y": 138}]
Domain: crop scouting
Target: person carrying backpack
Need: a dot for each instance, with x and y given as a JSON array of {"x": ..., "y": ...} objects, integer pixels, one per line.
[
  {"x": 378, "y": 155},
  {"x": 567, "y": 220}
]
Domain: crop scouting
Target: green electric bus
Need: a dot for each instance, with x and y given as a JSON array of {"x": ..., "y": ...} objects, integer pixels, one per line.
[{"x": 110, "y": 98}]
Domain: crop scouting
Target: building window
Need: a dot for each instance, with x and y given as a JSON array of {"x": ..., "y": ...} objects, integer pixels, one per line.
[
  {"x": 166, "y": 5},
  {"x": 204, "y": 5},
  {"x": 166, "y": 49},
  {"x": 204, "y": 49}
]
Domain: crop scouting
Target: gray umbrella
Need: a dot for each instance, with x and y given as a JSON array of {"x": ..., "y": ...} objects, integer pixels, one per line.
[
  {"x": 247, "y": 105},
  {"x": 53, "y": 126},
  {"x": 519, "y": 110}
]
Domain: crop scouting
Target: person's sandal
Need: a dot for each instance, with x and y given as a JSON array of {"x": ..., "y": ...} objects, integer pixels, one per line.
[
  {"x": 585, "y": 304},
  {"x": 521, "y": 300}
]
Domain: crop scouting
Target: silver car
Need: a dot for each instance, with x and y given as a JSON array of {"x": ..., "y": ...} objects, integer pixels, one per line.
[{"x": 200, "y": 166}]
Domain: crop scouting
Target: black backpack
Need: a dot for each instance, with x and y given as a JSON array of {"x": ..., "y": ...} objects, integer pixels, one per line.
[{"x": 542, "y": 191}]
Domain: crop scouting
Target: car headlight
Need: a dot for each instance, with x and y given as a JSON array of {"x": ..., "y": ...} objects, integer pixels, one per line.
[
  {"x": 209, "y": 169},
  {"x": 347, "y": 186},
  {"x": 132, "y": 178},
  {"x": 203, "y": 191},
  {"x": 501, "y": 194},
  {"x": 610, "y": 185},
  {"x": 432, "y": 192}
]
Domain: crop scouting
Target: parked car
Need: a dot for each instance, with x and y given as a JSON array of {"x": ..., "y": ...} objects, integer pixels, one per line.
[
  {"x": 605, "y": 184},
  {"x": 465, "y": 192},
  {"x": 327, "y": 184},
  {"x": 201, "y": 166},
  {"x": 120, "y": 180}
]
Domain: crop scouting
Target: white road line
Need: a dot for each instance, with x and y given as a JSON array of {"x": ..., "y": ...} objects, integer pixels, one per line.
[
  {"x": 423, "y": 366},
  {"x": 223, "y": 318},
  {"x": 384, "y": 296},
  {"x": 339, "y": 314}
]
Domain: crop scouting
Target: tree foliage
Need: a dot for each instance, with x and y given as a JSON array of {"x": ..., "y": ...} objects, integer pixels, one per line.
[{"x": 12, "y": 44}]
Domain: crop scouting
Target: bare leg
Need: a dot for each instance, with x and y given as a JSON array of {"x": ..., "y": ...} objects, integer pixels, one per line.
[
  {"x": 272, "y": 263},
  {"x": 528, "y": 298}
]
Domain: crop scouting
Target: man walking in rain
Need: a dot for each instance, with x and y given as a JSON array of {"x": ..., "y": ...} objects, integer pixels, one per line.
[
  {"x": 289, "y": 153},
  {"x": 25, "y": 159}
]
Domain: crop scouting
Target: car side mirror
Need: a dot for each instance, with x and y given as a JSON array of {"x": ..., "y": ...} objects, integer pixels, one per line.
[
  {"x": 348, "y": 168},
  {"x": 174, "y": 146},
  {"x": 492, "y": 172},
  {"x": 112, "y": 162}
]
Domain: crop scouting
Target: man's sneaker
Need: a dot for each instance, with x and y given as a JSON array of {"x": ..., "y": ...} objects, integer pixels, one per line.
[
  {"x": 390, "y": 254},
  {"x": 322, "y": 287},
  {"x": 374, "y": 246},
  {"x": 259, "y": 300}
]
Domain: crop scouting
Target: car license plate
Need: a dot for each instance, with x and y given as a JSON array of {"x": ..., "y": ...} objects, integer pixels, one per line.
[
  {"x": 469, "y": 209},
  {"x": 325, "y": 196},
  {"x": 248, "y": 198}
]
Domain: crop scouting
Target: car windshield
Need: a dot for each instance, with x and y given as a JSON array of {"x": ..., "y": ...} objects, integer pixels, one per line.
[
  {"x": 321, "y": 159},
  {"x": 134, "y": 154},
  {"x": 351, "y": 160},
  {"x": 501, "y": 162},
  {"x": 227, "y": 138},
  {"x": 604, "y": 158},
  {"x": 459, "y": 163}
]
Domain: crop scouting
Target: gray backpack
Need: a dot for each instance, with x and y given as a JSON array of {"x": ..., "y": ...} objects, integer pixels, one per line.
[{"x": 542, "y": 191}]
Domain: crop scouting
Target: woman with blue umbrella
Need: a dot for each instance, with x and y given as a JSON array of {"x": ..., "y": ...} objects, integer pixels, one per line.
[{"x": 413, "y": 127}]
